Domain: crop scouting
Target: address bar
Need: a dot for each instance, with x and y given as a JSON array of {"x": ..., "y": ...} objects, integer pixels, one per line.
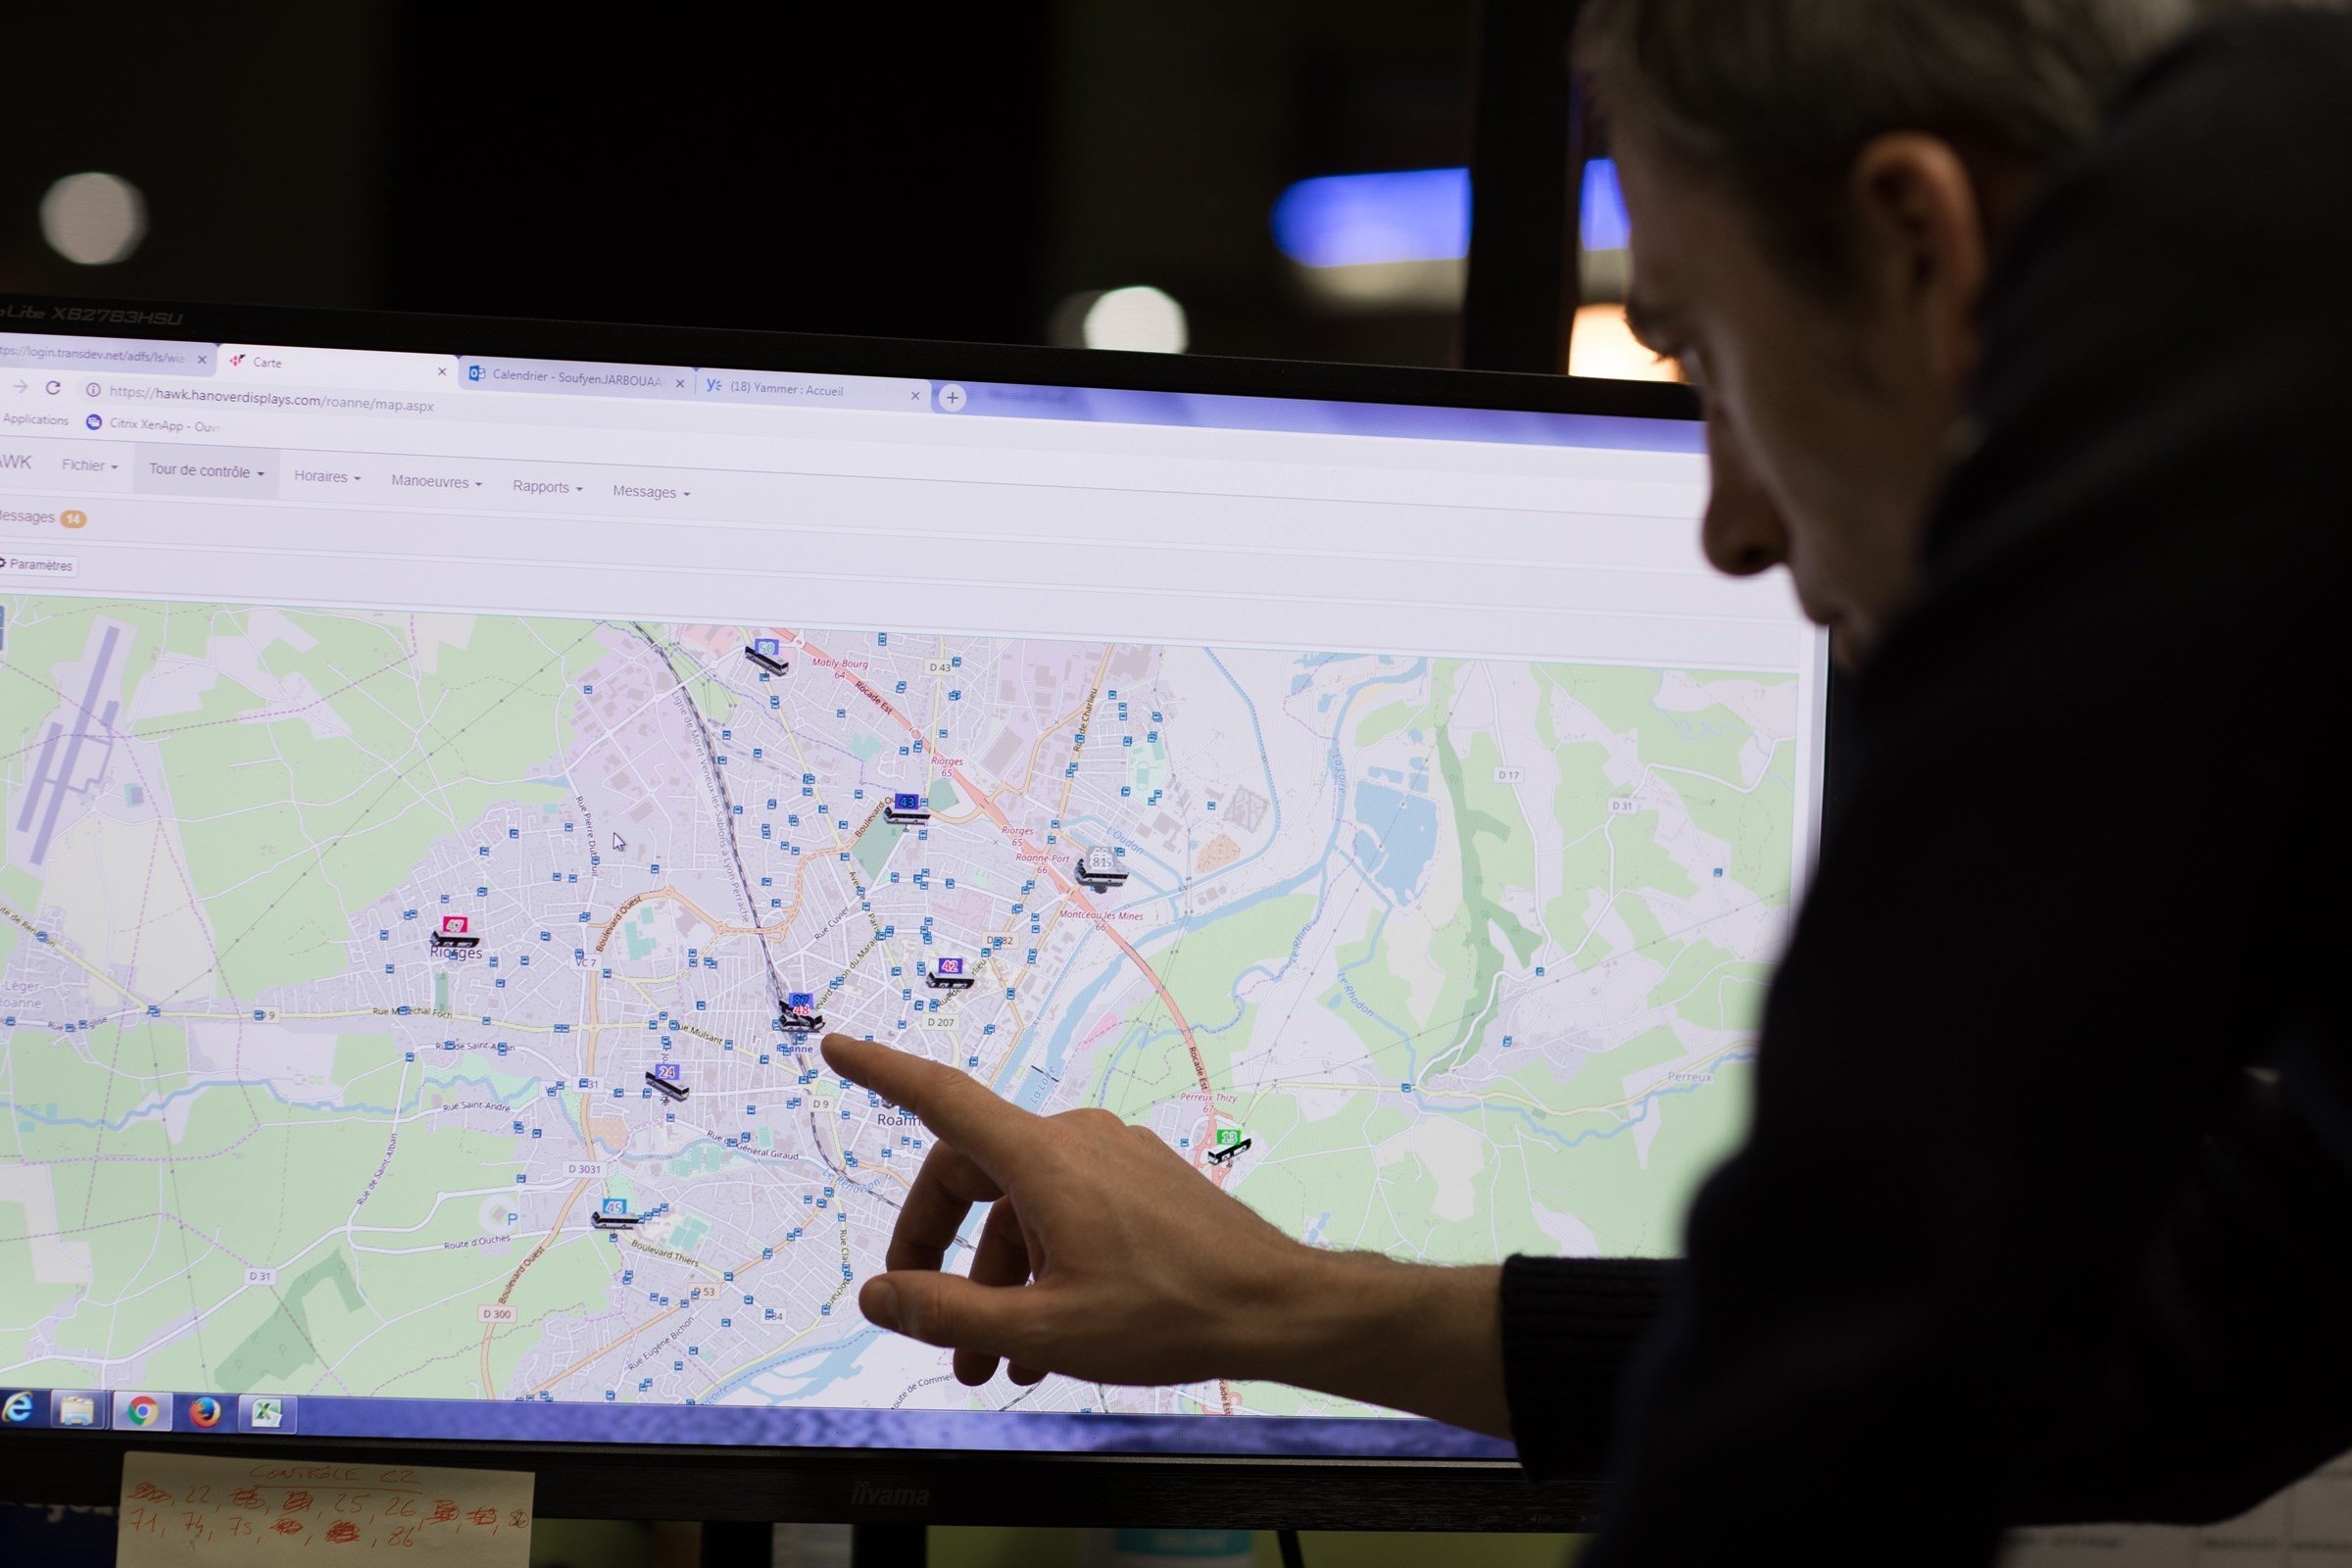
[{"x": 266, "y": 398}]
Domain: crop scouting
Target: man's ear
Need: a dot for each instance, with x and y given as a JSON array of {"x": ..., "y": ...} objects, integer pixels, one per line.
[{"x": 1926, "y": 242}]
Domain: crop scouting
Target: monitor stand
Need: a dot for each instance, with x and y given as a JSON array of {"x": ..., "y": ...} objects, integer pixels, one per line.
[
  {"x": 889, "y": 1546},
  {"x": 737, "y": 1544}
]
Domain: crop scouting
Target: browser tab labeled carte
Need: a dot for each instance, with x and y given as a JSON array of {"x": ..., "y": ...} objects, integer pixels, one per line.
[{"x": 356, "y": 368}]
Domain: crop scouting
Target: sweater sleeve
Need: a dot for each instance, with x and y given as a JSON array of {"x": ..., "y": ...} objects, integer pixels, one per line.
[{"x": 1570, "y": 1326}]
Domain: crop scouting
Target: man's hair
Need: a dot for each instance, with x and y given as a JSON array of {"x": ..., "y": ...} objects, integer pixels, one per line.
[{"x": 1774, "y": 99}]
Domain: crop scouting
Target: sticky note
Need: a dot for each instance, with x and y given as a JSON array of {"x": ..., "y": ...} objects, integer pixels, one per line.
[{"x": 181, "y": 1509}]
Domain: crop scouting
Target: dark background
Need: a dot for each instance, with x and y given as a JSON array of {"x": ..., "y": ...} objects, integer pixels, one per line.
[{"x": 936, "y": 170}]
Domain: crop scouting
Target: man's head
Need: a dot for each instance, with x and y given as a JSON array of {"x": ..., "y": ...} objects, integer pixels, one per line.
[{"x": 1818, "y": 189}]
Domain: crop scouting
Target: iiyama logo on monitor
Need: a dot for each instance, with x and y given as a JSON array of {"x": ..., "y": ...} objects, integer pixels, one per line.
[{"x": 874, "y": 1494}]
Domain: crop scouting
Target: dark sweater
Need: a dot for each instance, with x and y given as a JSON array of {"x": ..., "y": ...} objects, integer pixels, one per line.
[{"x": 2045, "y": 1212}]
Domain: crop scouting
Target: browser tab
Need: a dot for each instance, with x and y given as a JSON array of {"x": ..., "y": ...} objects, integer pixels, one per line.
[
  {"x": 139, "y": 356},
  {"x": 577, "y": 376},
  {"x": 791, "y": 389},
  {"x": 351, "y": 368}
]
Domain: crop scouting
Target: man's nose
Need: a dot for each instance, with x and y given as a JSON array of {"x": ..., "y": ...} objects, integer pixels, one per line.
[{"x": 1742, "y": 532}]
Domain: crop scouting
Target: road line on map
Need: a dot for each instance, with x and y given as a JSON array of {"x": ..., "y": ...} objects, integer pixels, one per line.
[
  {"x": 515, "y": 1279},
  {"x": 1070, "y": 894}
]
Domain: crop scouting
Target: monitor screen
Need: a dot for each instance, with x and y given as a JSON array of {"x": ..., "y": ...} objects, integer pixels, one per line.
[{"x": 448, "y": 794}]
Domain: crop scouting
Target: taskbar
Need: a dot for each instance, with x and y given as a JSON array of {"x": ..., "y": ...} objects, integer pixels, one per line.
[
  {"x": 143, "y": 1410},
  {"x": 538, "y": 1421}
]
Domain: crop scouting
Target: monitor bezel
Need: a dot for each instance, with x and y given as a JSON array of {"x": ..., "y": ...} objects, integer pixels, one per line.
[{"x": 879, "y": 1485}]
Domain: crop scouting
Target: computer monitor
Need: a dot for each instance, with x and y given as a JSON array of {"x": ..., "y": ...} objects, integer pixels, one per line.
[{"x": 453, "y": 769}]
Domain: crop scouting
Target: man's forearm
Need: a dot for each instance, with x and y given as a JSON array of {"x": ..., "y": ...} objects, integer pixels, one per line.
[
  {"x": 1408, "y": 1335},
  {"x": 1462, "y": 1345}
]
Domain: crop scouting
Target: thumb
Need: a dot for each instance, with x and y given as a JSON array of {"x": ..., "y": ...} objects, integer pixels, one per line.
[{"x": 950, "y": 1311}]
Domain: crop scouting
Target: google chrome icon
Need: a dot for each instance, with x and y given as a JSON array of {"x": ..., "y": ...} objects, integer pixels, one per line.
[
  {"x": 142, "y": 1409},
  {"x": 205, "y": 1411}
]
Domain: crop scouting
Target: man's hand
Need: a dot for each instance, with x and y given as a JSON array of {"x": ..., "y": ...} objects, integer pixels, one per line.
[{"x": 1109, "y": 1257}]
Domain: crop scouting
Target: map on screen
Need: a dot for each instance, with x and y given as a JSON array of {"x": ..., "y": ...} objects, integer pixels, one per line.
[{"x": 426, "y": 1005}]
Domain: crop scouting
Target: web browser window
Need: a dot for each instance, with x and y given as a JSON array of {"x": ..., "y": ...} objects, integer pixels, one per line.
[{"x": 447, "y": 797}]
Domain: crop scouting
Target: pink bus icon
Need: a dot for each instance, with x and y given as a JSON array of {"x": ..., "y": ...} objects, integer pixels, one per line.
[{"x": 457, "y": 925}]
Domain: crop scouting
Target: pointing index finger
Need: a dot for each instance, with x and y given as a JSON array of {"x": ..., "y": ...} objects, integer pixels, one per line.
[{"x": 948, "y": 1102}]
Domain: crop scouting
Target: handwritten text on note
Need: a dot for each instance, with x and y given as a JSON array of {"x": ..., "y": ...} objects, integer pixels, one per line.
[{"x": 181, "y": 1509}]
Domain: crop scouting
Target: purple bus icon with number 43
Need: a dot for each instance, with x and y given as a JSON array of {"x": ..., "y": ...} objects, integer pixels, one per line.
[{"x": 907, "y": 807}]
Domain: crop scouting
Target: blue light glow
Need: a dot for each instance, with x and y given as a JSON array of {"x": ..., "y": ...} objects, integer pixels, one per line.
[
  {"x": 1414, "y": 214},
  {"x": 1419, "y": 214},
  {"x": 1604, "y": 222}
]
